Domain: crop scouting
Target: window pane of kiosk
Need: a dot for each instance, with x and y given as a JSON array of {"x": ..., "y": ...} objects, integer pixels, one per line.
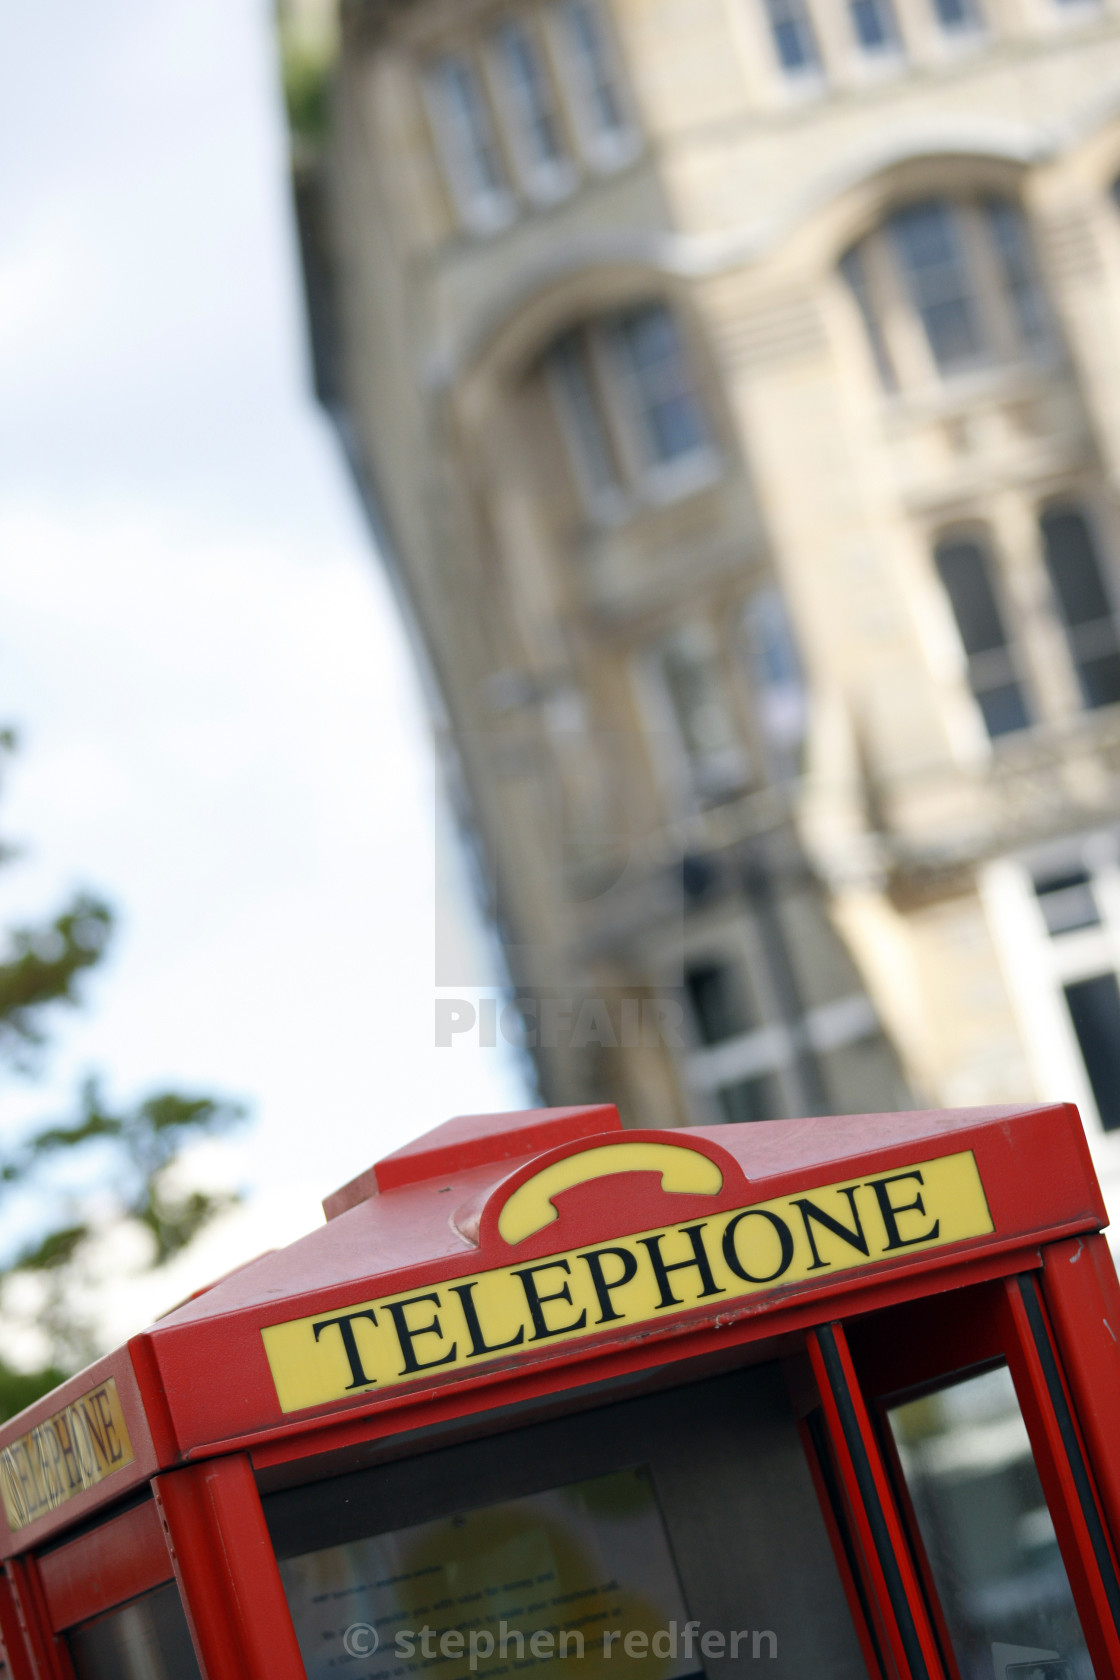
[
  {"x": 987, "y": 1533},
  {"x": 540, "y": 1578},
  {"x": 685, "y": 1521},
  {"x": 147, "y": 1639}
]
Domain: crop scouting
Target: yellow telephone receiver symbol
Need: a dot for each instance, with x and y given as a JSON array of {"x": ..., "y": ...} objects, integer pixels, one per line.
[{"x": 683, "y": 1171}]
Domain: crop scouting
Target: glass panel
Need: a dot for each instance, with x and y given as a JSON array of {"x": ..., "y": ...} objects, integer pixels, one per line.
[
  {"x": 669, "y": 408},
  {"x": 595, "y": 67},
  {"x": 679, "y": 1533},
  {"x": 854, "y": 272},
  {"x": 964, "y": 570},
  {"x": 530, "y": 93},
  {"x": 1016, "y": 262},
  {"x": 470, "y": 150},
  {"x": 927, "y": 242},
  {"x": 782, "y": 706},
  {"x": 792, "y": 32},
  {"x": 1094, "y": 1007},
  {"x": 987, "y": 1533},
  {"x": 693, "y": 683},
  {"x": 956, "y": 15},
  {"x": 874, "y": 25},
  {"x": 534, "y": 1579},
  {"x": 1067, "y": 901},
  {"x": 581, "y": 416},
  {"x": 716, "y": 1001},
  {"x": 145, "y": 1640},
  {"x": 1075, "y": 571}
]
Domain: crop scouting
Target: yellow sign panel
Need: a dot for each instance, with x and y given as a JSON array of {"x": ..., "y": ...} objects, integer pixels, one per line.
[
  {"x": 71, "y": 1450},
  {"x": 626, "y": 1281}
]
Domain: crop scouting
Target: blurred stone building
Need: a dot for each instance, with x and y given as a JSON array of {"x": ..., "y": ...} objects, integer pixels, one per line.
[{"x": 734, "y": 386}]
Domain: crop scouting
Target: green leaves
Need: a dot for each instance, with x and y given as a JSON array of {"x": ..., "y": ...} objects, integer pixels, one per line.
[
  {"x": 41, "y": 969},
  {"x": 127, "y": 1162}
]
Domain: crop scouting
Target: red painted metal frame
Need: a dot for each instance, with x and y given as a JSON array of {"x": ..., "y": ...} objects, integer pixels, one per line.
[
  {"x": 943, "y": 1337},
  {"x": 838, "y": 1522},
  {"x": 44, "y": 1652},
  {"x": 197, "y": 1386},
  {"x": 1082, "y": 1298},
  {"x": 1034, "y": 1165},
  {"x": 1056, "y": 1475},
  {"x": 120, "y": 1559},
  {"x": 307, "y": 1439},
  {"x": 224, "y": 1563},
  {"x": 11, "y": 1635},
  {"x": 859, "y": 1515},
  {"x": 136, "y": 1407}
]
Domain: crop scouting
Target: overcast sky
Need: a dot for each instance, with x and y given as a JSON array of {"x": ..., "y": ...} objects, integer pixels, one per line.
[{"x": 221, "y": 729}]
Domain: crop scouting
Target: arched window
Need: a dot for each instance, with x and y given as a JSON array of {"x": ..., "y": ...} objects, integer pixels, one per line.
[
  {"x": 963, "y": 272},
  {"x": 964, "y": 566},
  {"x": 630, "y": 409},
  {"x": 1085, "y": 602}
]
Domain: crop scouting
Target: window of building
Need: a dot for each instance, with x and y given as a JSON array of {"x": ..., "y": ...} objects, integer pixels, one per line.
[
  {"x": 1094, "y": 1007},
  {"x": 965, "y": 270},
  {"x": 577, "y": 386},
  {"x": 472, "y": 158},
  {"x": 630, "y": 410},
  {"x": 964, "y": 567},
  {"x": 693, "y": 699},
  {"x": 603, "y": 114},
  {"x": 1016, "y": 267},
  {"x": 795, "y": 41},
  {"x": 1067, "y": 901},
  {"x": 1083, "y": 596},
  {"x": 666, "y": 402},
  {"x": 552, "y": 82},
  {"x": 469, "y": 143},
  {"x": 957, "y": 17},
  {"x": 777, "y": 682},
  {"x": 1065, "y": 979},
  {"x": 529, "y": 100},
  {"x": 874, "y": 26},
  {"x": 931, "y": 255},
  {"x": 716, "y": 1001},
  {"x": 767, "y": 1045}
]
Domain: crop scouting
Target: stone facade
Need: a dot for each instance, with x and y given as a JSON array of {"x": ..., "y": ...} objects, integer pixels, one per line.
[{"x": 736, "y": 388}]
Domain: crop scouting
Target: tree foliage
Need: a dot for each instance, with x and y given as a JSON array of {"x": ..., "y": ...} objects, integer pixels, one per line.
[{"x": 126, "y": 1162}]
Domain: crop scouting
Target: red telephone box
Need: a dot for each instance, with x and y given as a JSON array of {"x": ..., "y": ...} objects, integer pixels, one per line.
[{"x": 551, "y": 1399}]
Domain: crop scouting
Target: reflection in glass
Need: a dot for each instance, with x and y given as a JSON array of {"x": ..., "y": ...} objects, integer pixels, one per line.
[
  {"x": 147, "y": 1639},
  {"x": 987, "y": 1533},
  {"x": 532, "y": 1581}
]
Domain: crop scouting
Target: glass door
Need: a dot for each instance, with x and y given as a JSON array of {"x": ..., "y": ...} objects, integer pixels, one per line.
[
  {"x": 968, "y": 1415},
  {"x": 986, "y": 1532}
]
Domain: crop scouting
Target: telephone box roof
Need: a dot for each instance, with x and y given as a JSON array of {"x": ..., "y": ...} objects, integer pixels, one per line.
[{"x": 501, "y": 1257}]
